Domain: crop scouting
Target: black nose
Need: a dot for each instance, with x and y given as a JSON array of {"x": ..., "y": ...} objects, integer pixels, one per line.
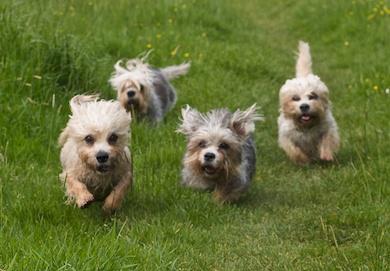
[
  {"x": 130, "y": 93},
  {"x": 102, "y": 156},
  {"x": 209, "y": 156},
  {"x": 304, "y": 107}
]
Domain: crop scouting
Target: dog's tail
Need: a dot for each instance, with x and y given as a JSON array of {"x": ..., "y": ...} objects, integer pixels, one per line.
[
  {"x": 303, "y": 67},
  {"x": 175, "y": 71}
]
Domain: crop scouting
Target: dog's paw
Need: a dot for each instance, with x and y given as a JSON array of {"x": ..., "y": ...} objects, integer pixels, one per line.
[
  {"x": 83, "y": 200},
  {"x": 326, "y": 155}
]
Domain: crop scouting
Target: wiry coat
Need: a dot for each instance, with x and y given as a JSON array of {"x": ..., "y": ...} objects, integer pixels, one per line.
[
  {"x": 153, "y": 94},
  {"x": 229, "y": 139},
  {"x": 106, "y": 126}
]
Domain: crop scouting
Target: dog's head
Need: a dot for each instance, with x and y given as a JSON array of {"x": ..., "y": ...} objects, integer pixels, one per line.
[
  {"x": 99, "y": 132},
  {"x": 304, "y": 100},
  {"x": 215, "y": 139},
  {"x": 132, "y": 84}
]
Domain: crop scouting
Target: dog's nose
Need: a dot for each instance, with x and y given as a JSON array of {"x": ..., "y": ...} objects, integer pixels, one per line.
[
  {"x": 102, "y": 156},
  {"x": 131, "y": 93},
  {"x": 209, "y": 156},
  {"x": 304, "y": 107}
]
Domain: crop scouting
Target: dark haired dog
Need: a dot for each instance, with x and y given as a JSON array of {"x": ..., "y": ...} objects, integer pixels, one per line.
[
  {"x": 145, "y": 90},
  {"x": 220, "y": 152}
]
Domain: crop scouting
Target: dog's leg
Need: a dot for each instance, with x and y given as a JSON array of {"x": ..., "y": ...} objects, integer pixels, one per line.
[
  {"x": 328, "y": 146},
  {"x": 294, "y": 152},
  {"x": 77, "y": 190},
  {"x": 114, "y": 199},
  {"x": 228, "y": 192}
]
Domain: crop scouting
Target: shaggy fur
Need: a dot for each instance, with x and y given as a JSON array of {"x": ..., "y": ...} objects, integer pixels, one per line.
[
  {"x": 220, "y": 152},
  {"x": 94, "y": 156},
  {"x": 144, "y": 90},
  {"x": 307, "y": 129}
]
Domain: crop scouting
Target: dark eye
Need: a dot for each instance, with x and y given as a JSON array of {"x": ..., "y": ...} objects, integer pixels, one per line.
[
  {"x": 313, "y": 96},
  {"x": 113, "y": 139},
  {"x": 202, "y": 144},
  {"x": 296, "y": 98},
  {"x": 89, "y": 139},
  {"x": 223, "y": 146},
  {"x": 141, "y": 88}
]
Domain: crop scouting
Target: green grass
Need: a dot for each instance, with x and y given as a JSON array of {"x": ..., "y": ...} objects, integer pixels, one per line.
[{"x": 318, "y": 217}]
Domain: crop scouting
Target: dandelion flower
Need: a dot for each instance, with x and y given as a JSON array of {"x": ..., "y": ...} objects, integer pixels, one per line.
[
  {"x": 174, "y": 52},
  {"x": 375, "y": 87},
  {"x": 149, "y": 46},
  {"x": 187, "y": 55}
]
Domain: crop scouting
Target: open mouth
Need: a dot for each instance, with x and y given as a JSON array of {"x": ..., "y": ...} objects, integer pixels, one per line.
[
  {"x": 305, "y": 118},
  {"x": 210, "y": 170},
  {"x": 131, "y": 102}
]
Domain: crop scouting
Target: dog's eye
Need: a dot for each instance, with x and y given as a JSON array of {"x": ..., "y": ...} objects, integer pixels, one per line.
[
  {"x": 313, "y": 96},
  {"x": 141, "y": 88},
  {"x": 295, "y": 98},
  {"x": 89, "y": 139},
  {"x": 223, "y": 146},
  {"x": 202, "y": 144},
  {"x": 113, "y": 139}
]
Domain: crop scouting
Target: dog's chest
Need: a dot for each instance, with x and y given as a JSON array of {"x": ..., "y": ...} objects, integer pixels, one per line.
[
  {"x": 100, "y": 186},
  {"x": 307, "y": 140}
]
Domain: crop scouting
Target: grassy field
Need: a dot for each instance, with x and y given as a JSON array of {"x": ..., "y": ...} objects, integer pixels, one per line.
[{"x": 318, "y": 217}]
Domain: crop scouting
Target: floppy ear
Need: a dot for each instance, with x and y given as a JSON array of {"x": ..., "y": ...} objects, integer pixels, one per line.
[
  {"x": 243, "y": 122},
  {"x": 191, "y": 120}
]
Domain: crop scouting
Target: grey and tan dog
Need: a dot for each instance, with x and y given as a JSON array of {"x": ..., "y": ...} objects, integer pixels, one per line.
[
  {"x": 220, "y": 153},
  {"x": 144, "y": 90},
  {"x": 95, "y": 158},
  {"x": 307, "y": 128}
]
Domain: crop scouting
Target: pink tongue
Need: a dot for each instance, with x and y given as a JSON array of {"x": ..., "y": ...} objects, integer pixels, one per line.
[{"x": 306, "y": 118}]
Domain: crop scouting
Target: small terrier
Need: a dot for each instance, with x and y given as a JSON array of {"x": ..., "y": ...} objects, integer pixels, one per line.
[
  {"x": 307, "y": 129},
  {"x": 144, "y": 90},
  {"x": 95, "y": 158},
  {"x": 220, "y": 153}
]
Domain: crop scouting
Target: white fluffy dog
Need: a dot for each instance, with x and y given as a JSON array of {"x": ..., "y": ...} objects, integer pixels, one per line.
[
  {"x": 95, "y": 158},
  {"x": 307, "y": 129},
  {"x": 144, "y": 90}
]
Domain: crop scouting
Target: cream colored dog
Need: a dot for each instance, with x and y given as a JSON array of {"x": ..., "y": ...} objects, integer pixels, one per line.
[
  {"x": 95, "y": 158},
  {"x": 307, "y": 129}
]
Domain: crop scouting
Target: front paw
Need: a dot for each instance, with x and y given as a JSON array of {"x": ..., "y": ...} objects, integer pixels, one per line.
[
  {"x": 84, "y": 199},
  {"x": 326, "y": 155},
  {"x": 111, "y": 204}
]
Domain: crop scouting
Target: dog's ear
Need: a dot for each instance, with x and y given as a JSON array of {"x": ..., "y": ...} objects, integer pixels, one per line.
[
  {"x": 119, "y": 70},
  {"x": 243, "y": 122},
  {"x": 115, "y": 79},
  {"x": 190, "y": 122},
  {"x": 63, "y": 137}
]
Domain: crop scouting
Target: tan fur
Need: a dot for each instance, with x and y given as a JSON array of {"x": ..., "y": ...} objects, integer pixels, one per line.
[
  {"x": 306, "y": 135},
  {"x": 86, "y": 178}
]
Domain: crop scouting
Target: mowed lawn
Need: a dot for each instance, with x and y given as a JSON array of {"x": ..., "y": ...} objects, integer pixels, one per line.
[{"x": 317, "y": 217}]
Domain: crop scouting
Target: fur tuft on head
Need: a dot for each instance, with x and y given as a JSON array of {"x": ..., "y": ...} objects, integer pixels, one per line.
[
  {"x": 92, "y": 115},
  {"x": 240, "y": 122},
  {"x": 136, "y": 71},
  {"x": 303, "y": 66}
]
